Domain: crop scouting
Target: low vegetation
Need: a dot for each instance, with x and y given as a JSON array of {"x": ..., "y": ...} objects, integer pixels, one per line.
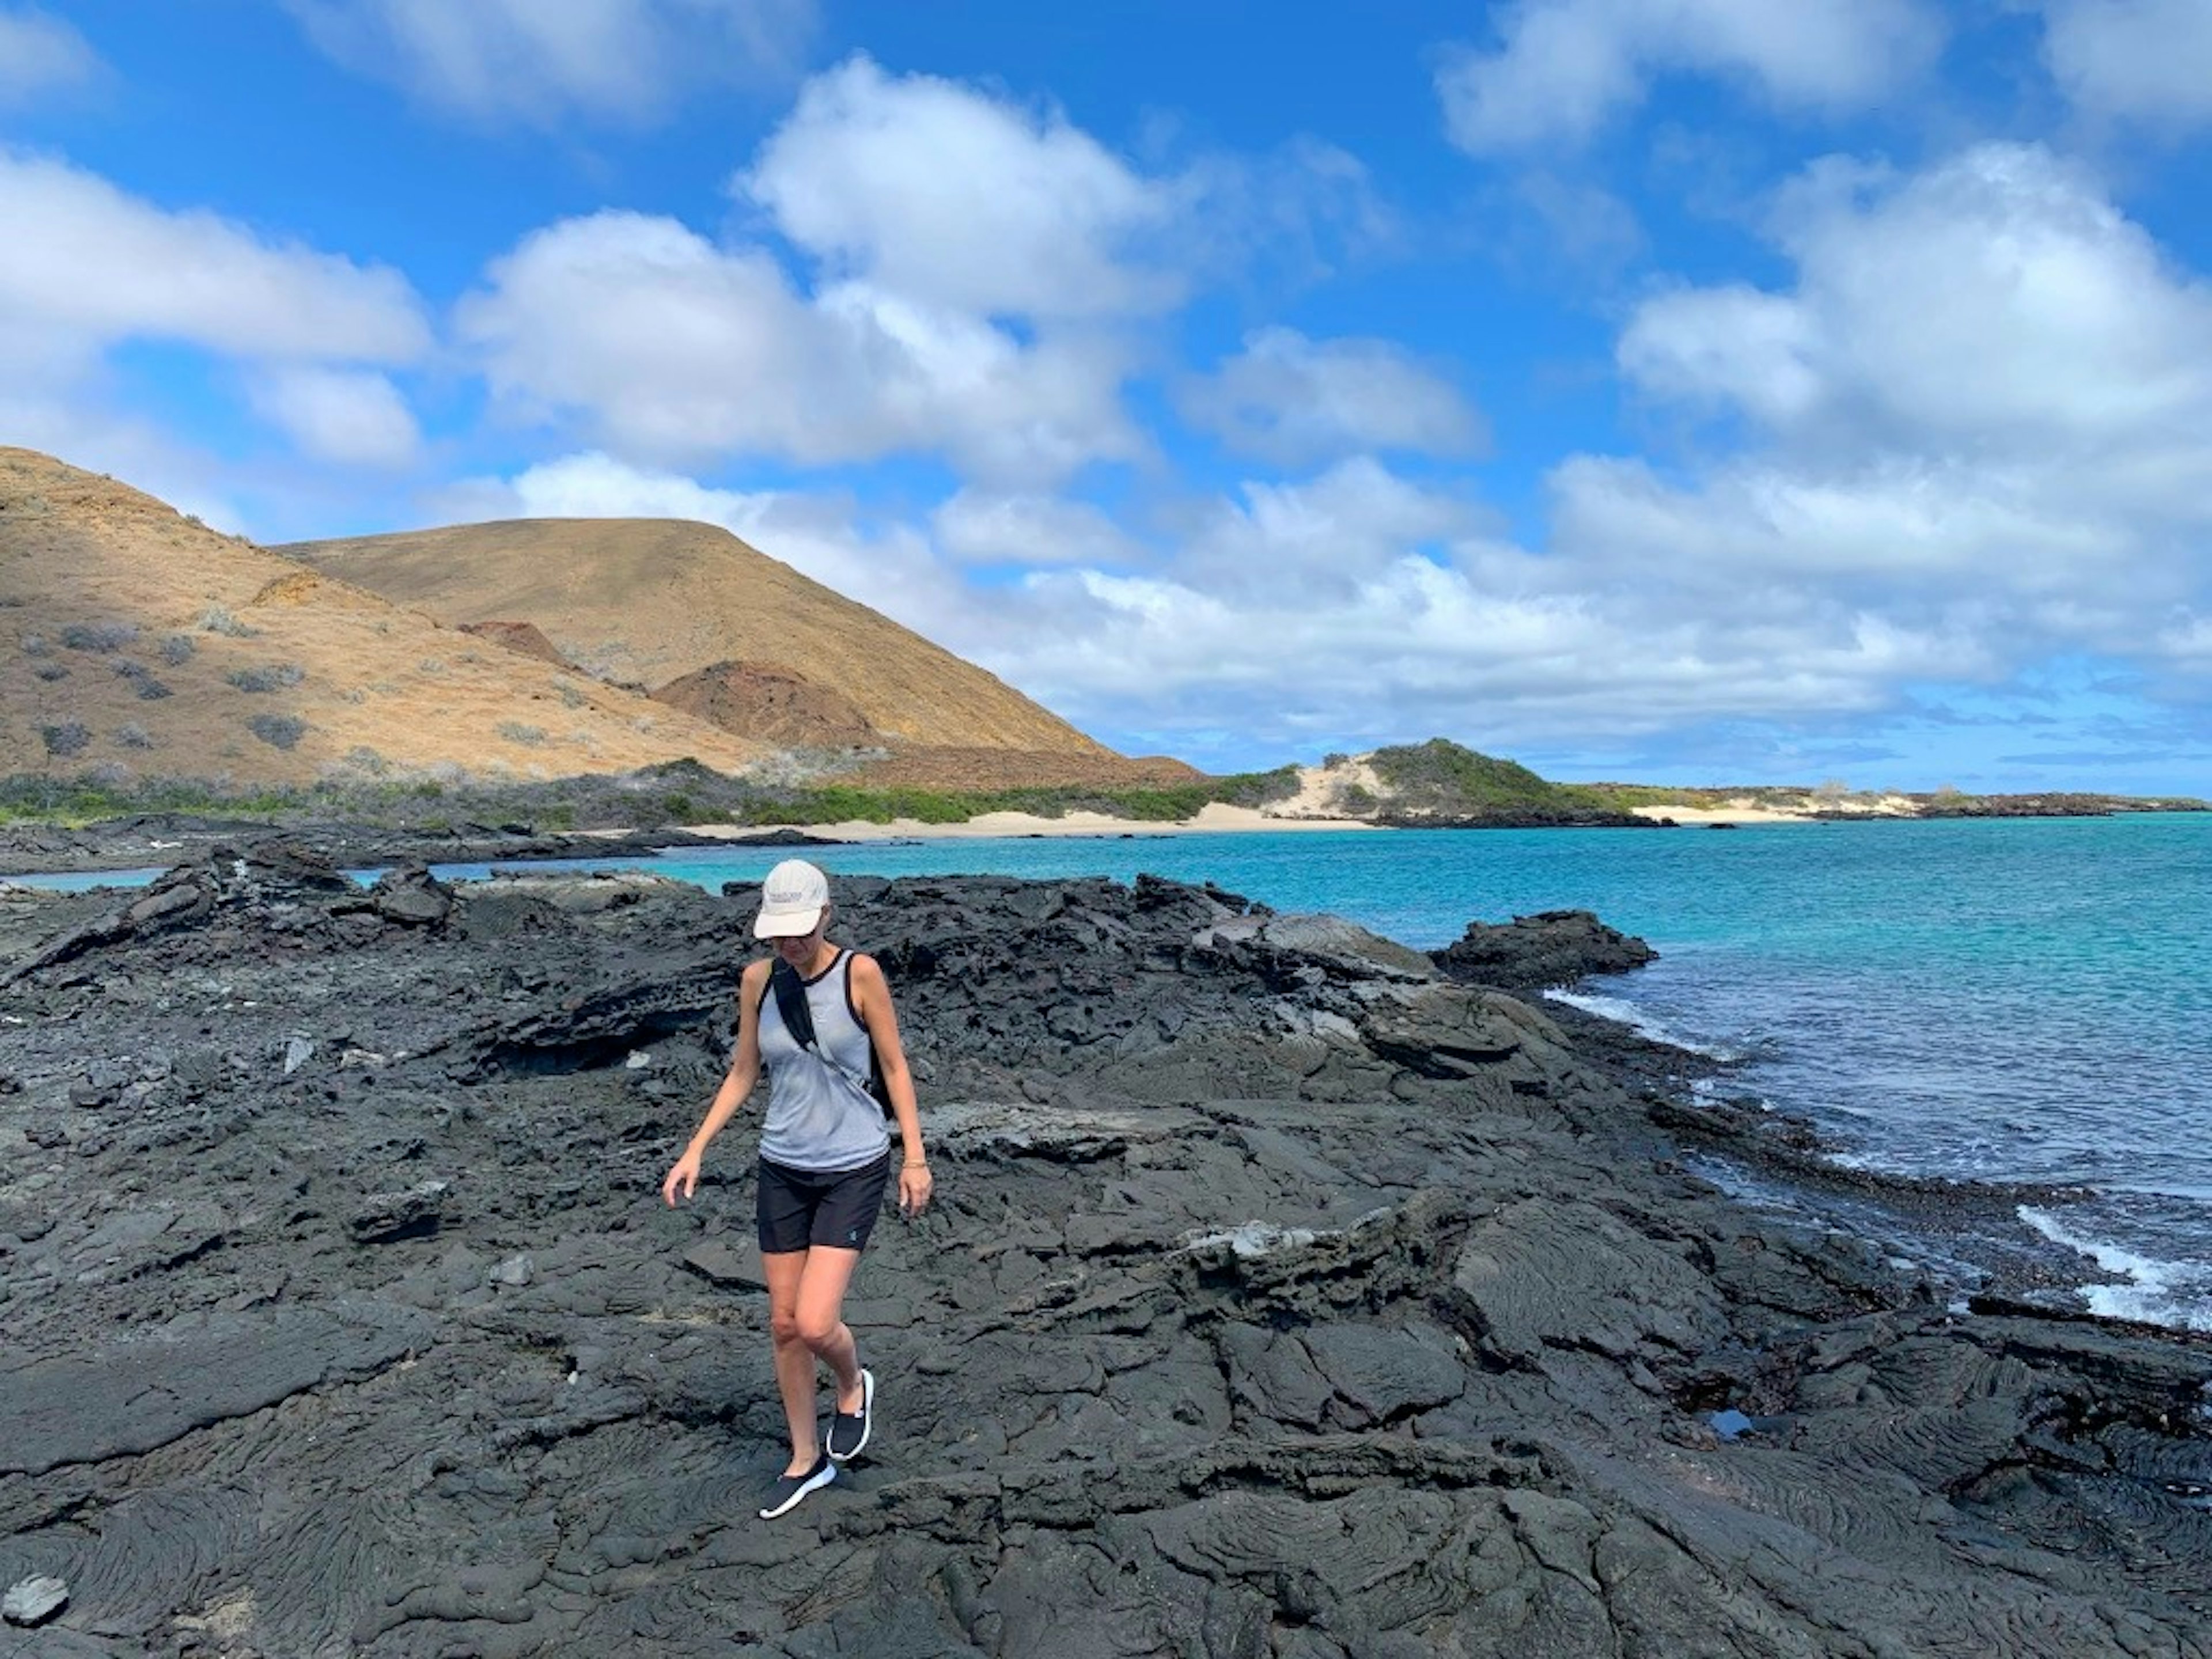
[
  {"x": 678, "y": 793},
  {"x": 1433, "y": 781},
  {"x": 1440, "y": 779}
]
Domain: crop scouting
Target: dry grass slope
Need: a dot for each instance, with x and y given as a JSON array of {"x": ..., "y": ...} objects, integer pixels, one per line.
[
  {"x": 133, "y": 637},
  {"x": 651, "y": 601}
]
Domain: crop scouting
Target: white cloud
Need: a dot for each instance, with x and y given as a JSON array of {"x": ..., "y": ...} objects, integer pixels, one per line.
[
  {"x": 2145, "y": 60},
  {"x": 1562, "y": 69},
  {"x": 954, "y": 274},
  {"x": 979, "y": 527},
  {"x": 352, "y": 417},
  {"x": 85, "y": 268},
  {"x": 1997, "y": 303},
  {"x": 672, "y": 350},
  {"x": 41, "y": 55},
  {"x": 544, "y": 61},
  {"x": 1323, "y": 536},
  {"x": 1985, "y": 408},
  {"x": 85, "y": 260},
  {"x": 1969, "y": 435},
  {"x": 1496, "y": 647},
  {"x": 1295, "y": 401},
  {"x": 933, "y": 191}
]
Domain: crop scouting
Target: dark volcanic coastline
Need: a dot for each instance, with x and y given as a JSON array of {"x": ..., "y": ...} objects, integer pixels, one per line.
[
  {"x": 152, "y": 841},
  {"x": 1288, "y": 1297}
]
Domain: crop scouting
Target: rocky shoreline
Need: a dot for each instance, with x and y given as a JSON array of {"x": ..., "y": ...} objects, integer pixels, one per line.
[
  {"x": 1292, "y": 1295},
  {"x": 158, "y": 841}
]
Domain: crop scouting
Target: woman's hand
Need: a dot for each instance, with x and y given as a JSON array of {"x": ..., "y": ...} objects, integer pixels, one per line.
[
  {"x": 914, "y": 1185},
  {"x": 684, "y": 1177}
]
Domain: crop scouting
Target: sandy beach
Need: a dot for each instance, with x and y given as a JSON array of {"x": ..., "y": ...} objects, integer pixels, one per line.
[
  {"x": 1214, "y": 819},
  {"x": 1747, "y": 814}
]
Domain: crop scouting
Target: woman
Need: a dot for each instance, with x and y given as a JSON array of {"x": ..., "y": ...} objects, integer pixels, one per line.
[{"x": 823, "y": 1162}]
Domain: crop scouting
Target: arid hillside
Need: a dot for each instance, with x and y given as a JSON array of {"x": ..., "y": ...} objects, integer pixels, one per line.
[
  {"x": 652, "y": 602},
  {"x": 133, "y": 637}
]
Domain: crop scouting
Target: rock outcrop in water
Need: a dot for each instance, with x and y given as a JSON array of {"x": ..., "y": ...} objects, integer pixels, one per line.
[
  {"x": 1285, "y": 1300},
  {"x": 1535, "y": 953}
]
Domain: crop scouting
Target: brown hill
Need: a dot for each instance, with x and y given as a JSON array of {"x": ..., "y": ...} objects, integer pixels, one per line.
[
  {"x": 518, "y": 636},
  {"x": 775, "y": 704},
  {"x": 651, "y": 601},
  {"x": 132, "y": 637}
]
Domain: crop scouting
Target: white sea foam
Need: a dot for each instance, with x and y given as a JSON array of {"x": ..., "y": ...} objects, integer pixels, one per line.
[
  {"x": 2156, "y": 1292},
  {"x": 1623, "y": 1013},
  {"x": 1709, "y": 1091}
]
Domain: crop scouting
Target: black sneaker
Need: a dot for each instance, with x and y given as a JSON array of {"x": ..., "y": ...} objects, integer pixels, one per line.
[
  {"x": 791, "y": 1489},
  {"x": 848, "y": 1431}
]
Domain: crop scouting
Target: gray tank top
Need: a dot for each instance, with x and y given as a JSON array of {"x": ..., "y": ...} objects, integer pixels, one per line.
[{"x": 818, "y": 1120}]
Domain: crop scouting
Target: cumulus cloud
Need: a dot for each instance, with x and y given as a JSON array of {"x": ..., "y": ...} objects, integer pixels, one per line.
[
  {"x": 355, "y": 417},
  {"x": 1294, "y": 401},
  {"x": 86, "y": 260},
  {"x": 87, "y": 268},
  {"x": 925, "y": 188},
  {"x": 1561, "y": 69},
  {"x": 1988, "y": 393},
  {"x": 951, "y": 274},
  {"x": 1475, "y": 637},
  {"x": 624, "y": 60},
  {"x": 40, "y": 56},
  {"x": 2141, "y": 60},
  {"x": 1999, "y": 299},
  {"x": 981, "y": 527},
  {"x": 672, "y": 350},
  {"x": 1967, "y": 436}
]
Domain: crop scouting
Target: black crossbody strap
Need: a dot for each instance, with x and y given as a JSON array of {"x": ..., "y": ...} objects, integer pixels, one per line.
[{"x": 791, "y": 1002}]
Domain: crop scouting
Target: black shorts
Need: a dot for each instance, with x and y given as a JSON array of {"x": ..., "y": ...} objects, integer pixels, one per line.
[{"x": 800, "y": 1208}]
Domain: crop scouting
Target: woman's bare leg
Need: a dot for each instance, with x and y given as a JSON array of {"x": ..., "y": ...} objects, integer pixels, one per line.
[
  {"x": 784, "y": 1270},
  {"x": 806, "y": 1322},
  {"x": 823, "y": 1281}
]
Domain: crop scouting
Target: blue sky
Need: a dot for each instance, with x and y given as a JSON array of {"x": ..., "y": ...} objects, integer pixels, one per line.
[{"x": 1690, "y": 390}]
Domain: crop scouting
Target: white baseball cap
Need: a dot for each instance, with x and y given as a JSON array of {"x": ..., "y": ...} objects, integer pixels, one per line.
[{"x": 792, "y": 899}]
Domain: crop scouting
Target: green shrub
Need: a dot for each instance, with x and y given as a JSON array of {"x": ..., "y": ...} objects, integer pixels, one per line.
[
  {"x": 216, "y": 620},
  {"x": 1440, "y": 776},
  {"x": 278, "y": 731},
  {"x": 65, "y": 739},
  {"x": 99, "y": 637},
  {"x": 276, "y": 676}
]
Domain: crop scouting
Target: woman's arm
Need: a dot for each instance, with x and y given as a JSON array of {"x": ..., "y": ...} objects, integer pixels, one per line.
[
  {"x": 737, "y": 1084},
  {"x": 872, "y": 995}
]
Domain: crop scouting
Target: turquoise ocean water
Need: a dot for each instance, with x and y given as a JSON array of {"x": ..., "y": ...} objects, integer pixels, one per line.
[{"x": 2017, "y": 1000}]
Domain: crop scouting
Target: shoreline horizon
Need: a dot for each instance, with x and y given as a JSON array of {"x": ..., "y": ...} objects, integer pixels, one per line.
[{"x": 1216, "y": 819}]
